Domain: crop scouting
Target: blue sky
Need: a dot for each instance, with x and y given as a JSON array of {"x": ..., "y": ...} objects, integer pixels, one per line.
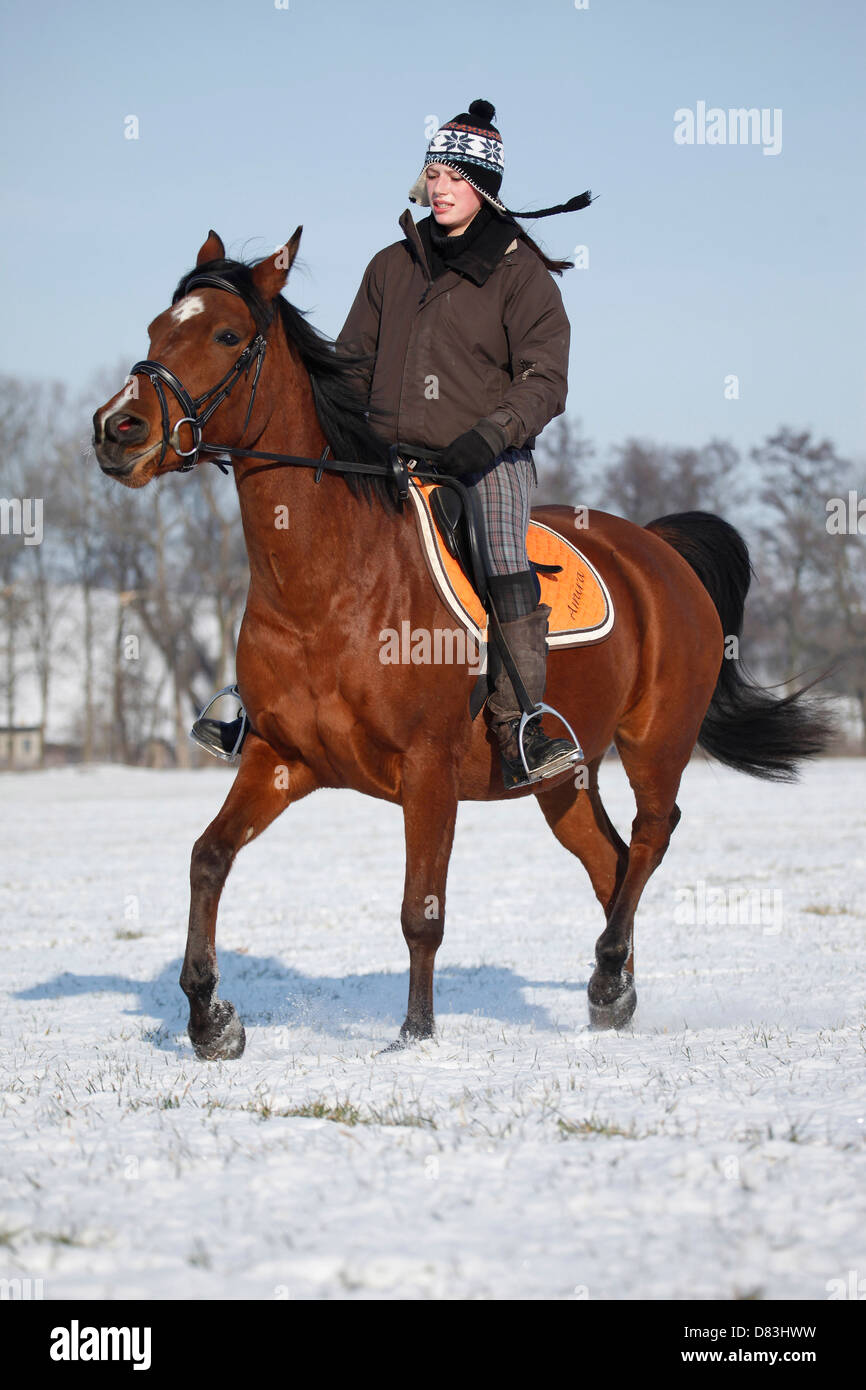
[{"x": 705, "y": 260}]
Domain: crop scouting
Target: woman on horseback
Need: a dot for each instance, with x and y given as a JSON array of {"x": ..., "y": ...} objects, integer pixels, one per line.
[
  {"x": 466, "y": 343},
  {"x": 468, "y": 347}
]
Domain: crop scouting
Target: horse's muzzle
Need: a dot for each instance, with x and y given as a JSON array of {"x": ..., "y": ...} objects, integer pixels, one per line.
[{"x": 113, "y": 436}]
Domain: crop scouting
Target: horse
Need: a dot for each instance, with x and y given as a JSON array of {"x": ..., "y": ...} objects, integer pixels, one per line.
[{"x": 346, "y": 564}]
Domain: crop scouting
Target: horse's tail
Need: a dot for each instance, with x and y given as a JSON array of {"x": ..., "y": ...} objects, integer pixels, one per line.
[{"x": 745, "y": 726}]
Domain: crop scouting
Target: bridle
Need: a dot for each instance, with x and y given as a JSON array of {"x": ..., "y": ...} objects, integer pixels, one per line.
[{"x": 161, "y": 376}]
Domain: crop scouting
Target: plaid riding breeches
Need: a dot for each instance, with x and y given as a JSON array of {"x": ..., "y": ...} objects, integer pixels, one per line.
[{"x": 502, "y": 490}]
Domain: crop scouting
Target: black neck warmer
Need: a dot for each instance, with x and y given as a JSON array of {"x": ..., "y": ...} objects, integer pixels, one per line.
[
  {"x": 450, "y": 246},
  {"x": 443, "y": 248}
]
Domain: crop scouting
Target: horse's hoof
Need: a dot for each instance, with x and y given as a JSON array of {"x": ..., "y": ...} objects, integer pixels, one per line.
[
  {"x": 224, "y": 1038},
  {"x": 407, "y": 1038},
  {"x": 611, "y": 1012}
]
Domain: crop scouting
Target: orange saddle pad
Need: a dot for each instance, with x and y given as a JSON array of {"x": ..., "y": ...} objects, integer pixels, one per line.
[{"x": 581, "y": 607}]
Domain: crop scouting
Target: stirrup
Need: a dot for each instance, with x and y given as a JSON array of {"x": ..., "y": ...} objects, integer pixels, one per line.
[
  {"x": 559, "y": 765},
  {"x": 201, "y": 738}
]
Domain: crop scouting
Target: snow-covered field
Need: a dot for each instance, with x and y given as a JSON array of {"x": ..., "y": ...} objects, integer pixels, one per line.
[{"x": 714, "y": 1150}]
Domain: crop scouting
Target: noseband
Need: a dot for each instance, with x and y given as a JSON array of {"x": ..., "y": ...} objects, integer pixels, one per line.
[{"x": 161, "y": 376}]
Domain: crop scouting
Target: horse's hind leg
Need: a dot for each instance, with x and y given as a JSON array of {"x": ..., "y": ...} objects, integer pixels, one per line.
[
  {"x": 580, "y": 822},
  {"x": 263, "y": 787},
  {"x": 654, "y": 775}
]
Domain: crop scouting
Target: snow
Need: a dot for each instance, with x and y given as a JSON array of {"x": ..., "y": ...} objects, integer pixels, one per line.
[{"x": 715, "y": 1149}]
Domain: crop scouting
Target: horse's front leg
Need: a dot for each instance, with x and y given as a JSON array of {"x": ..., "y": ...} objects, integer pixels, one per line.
[
  {"x": 264, "y": 786},
  {"x": 429, "y": 798}
]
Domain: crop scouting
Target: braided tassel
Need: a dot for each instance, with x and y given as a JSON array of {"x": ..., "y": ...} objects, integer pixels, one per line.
[{"x": 580, "y": 200}]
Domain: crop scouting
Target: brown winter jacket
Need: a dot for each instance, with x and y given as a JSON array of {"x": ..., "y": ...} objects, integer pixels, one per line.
[{"x": 486, "y": 348}]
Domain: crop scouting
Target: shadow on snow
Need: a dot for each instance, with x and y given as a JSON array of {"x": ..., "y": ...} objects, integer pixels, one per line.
[{"x": 267, "y": 994}]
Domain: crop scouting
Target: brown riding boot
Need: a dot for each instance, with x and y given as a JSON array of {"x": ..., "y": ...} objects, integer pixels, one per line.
[{"x": 545, "y": 756}]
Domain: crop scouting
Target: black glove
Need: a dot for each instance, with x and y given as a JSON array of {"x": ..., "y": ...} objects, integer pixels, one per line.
[{"x": 468, "y": 453}]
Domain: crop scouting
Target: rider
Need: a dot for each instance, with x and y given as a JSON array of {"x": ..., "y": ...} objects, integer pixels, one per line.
[{"x": 468, "y": 347}]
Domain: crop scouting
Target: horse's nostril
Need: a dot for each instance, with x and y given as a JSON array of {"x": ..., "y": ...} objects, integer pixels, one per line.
[{"x": 121, "y": 428}]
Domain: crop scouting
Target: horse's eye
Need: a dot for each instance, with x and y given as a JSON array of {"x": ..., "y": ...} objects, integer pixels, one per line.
[{"x": 228, "y": 337}]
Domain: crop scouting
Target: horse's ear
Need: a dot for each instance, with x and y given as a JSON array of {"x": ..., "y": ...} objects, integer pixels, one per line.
[
  {"x": 213, "y": 249},
  {"x": 271, "y": 274}
]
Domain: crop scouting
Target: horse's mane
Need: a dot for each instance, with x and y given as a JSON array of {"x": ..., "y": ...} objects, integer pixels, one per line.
[{"x": 341, "y": 412}]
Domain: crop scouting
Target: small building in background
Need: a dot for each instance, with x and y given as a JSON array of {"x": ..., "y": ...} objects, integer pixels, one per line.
[{"x": 21, "y": 746}]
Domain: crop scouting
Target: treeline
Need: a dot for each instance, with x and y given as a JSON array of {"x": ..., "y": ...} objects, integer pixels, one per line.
[{"x": 119, "y": 610}]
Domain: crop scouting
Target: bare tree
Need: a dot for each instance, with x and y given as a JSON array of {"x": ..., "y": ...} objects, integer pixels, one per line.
[
  {"x": 644, "y": 480},
  {"x": 562, "y": 460},
  {"x": 796, "y": 475}
]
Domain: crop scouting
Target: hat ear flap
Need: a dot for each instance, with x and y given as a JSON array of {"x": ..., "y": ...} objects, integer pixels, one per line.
[{"x": 418, "y": 191}]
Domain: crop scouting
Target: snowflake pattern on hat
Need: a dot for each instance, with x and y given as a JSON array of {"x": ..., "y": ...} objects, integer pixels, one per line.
[{"x": 463, "y": 144}]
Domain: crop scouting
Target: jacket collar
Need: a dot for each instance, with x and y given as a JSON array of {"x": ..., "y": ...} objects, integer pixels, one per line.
[{"x": 479, "y": 260}]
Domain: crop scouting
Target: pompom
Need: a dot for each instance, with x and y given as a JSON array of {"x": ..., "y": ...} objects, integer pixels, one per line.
[{"x": 483, "y": 109}]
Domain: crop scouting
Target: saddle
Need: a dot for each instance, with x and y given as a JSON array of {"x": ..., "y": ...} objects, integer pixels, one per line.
[
  {"x": 455, "y": 546},
  {"x": 464, "y": 539}
]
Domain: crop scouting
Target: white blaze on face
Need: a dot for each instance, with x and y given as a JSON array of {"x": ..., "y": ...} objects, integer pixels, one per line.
[
  {"x": 186, "y": 307},
  {"x": 129, "y": 393}
]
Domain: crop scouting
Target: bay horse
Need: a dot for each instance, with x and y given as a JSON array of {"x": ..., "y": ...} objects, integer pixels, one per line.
[{"x": 347, "y": 563}]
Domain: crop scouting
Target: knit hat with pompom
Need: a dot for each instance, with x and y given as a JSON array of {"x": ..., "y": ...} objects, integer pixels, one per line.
[{"x": 471, "y": 144}]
